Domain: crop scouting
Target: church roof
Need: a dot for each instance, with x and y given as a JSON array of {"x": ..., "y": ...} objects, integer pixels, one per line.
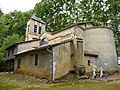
[
  {"x": 15, "y": 44},
  {"x": 72, "y": 25},
  {"x": 37, "y": 19},
  {"x": 43, "y": 47}
]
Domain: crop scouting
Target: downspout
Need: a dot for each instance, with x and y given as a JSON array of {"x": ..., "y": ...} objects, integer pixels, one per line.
[
  {"x": 54, "y": 66},
  {"x": 52, "y": 71}
]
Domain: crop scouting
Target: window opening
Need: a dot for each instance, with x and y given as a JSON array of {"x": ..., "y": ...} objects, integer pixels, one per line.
[
  {"x": 39, "y": 30},
  {"x": 8, "y": 52},
  {"x": 12, "y": 51},
  {"x": 28, "y": 27},
  {"x": 35, "y": 28},
  {"x": 36, "y": 59},
  {"x": 89, "y": 62},
  {"x": 19, "y": 63},
  {"x": 34, "y": 38}
]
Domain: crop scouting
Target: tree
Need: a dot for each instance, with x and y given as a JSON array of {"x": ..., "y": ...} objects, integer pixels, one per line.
[
  {"x": 9, "y": 40},
  {"x": 15, "y": 22},
  {"x": 1, "y": 13},
  {"x": 12, "y": 29},
  {"x": 114, "y": 10},
  {"x": 56, "y": 13}
]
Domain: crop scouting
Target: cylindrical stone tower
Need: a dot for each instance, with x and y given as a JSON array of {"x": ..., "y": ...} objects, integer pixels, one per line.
[{"x": 100, "y": 41}]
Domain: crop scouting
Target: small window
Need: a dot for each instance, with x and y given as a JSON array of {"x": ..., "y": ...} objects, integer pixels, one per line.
[
  {"x": 28, "y": 28},
  {"x": 44, "y": 41},
  {"x": 36, "y": 59},
  {"x": 19, "y": 63},
  {"x": 39, "y": 30},
  {"x": 8, "y": 52},
  {"x": 34, "y": 38},
  {"x": 89, "y": 62},
  {"x": 12, "y": 51},
  {"x": 35, "y": 28}
]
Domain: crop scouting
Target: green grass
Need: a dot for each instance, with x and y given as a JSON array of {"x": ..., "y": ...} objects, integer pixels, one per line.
[
  {"x": 21, "y": 82},
  {"x": 10, "y": 86},
  {"x": 79, "y": 85}
]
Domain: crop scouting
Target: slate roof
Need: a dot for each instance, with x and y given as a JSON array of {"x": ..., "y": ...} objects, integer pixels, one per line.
[{"x": 37, "y": 19}]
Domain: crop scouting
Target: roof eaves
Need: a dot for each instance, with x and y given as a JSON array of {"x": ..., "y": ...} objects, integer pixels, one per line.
[
  {"x": 15, "y": 44},
  {"x": 72, "y": 25},
  {"x": 90, "y": 54},
  {"x": 98, "y": 27},
  {"x": 43, "y": 47},
  {"x": 37, "y": 19},
  {"x": 11, "y": 46}
]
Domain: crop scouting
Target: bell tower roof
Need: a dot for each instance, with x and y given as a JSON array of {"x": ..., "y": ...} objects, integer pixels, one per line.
[{"x": 37, "y": 19}]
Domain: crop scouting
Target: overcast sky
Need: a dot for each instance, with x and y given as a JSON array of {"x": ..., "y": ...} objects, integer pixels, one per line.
[{"x": 19, "y": 5}]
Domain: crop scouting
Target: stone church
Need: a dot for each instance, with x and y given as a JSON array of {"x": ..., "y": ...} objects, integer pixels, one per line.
[{"x": 52, "y": 55}]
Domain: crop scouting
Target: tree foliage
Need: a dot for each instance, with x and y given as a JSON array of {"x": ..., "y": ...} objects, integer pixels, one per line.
[
  {"x": 56, "y": 13},
  {"x": 1, "y": 13},
  {"x": 7, "y": 41},
  {"x": 12, "y": 29}
]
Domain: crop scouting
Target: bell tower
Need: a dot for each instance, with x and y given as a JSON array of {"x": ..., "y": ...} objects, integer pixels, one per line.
[{"x": 35, "y": 27}]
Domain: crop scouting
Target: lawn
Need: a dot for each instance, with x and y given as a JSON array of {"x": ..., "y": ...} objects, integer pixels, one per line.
[{"x": 21, "y": 82}]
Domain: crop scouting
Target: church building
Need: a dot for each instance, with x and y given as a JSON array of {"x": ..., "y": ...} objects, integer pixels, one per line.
[{"x": 52, "y": 55}]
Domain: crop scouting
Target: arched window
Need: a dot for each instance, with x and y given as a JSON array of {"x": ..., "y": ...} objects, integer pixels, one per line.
[{"x": 44, "y": 41}]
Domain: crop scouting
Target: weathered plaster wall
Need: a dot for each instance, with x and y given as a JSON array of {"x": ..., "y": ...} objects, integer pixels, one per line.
[
  {"x": 61, "y": 59},
  {"x": 80, "y": 53},
  {"x": 31, "y": 36},
  {"x": 77, "y": 53},
  {"x": 66, "y": 56},
  {"x": 46, "y": 35},
  {"x": 73, "y": 56},
  {"x": 79, "y": 33},
  {"x": 42, "y": 69},
  {"x": 63, "y": 35},
  {"x": 64, "y": 32},
  {"x": 101, "y": 42}
]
